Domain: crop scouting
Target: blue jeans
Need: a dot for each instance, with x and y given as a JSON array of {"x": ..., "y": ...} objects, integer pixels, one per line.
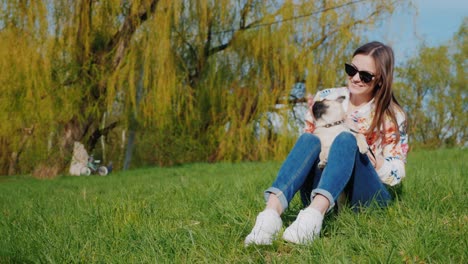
[{"x": 347, "y": 170}]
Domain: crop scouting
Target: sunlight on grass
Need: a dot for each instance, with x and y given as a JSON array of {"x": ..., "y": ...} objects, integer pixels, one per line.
[{"x": 202, "y": 213}]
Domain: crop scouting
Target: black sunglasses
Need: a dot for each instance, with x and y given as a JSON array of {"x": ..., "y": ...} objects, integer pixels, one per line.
[{"x": 366, "y": 77}]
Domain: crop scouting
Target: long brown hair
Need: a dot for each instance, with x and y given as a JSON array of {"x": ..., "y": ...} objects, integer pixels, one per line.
[{"x": 385, "y": 101}]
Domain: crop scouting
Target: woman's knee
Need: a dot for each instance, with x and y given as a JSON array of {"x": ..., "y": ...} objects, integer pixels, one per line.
[
  {"x": 309, "y": 139},
  {"x": 345, "y": 137}
]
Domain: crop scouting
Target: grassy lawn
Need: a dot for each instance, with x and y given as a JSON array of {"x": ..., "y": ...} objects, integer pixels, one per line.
[{"x": 201, "y": 213}]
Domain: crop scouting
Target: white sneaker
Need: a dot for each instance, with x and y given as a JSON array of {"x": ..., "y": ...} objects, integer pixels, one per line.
[
  {"x": 267, "y": 226},
  {"x": 306, "y": 227}
]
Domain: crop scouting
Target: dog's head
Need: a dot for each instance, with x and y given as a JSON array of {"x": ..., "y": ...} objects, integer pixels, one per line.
[{"x": 328, "y": 111}]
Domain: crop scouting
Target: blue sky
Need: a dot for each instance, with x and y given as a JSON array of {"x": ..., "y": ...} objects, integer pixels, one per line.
[{"x": 435, "y": 23}]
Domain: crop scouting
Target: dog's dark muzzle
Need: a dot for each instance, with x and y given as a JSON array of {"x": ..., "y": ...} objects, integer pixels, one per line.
[{"x": 319, "y": 109}]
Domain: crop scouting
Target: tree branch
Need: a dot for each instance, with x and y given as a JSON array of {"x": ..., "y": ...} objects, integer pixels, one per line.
[
  {"x": 325, "y": 36},
  {"x": 121, "y": 39},
  {"x": 93, "y": 139}
]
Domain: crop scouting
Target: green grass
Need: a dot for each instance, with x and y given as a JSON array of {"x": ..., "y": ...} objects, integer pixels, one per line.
[{"x": 201, "y": 213}]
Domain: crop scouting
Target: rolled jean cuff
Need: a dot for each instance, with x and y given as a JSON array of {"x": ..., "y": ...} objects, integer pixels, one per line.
[
  {"x": 279, "y": 194},
  {"x": 325, "y": 193}
]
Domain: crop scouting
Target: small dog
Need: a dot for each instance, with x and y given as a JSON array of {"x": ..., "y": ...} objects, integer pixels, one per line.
[{"x": 329, "y": 121}]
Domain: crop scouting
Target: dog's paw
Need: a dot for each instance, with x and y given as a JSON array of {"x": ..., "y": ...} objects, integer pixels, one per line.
[
  {"x": 322, "y": 164},
  {"x": 362, "y": 143}
]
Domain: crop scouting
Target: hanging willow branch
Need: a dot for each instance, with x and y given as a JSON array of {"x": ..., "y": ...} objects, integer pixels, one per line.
[{"x": 120, "y": 41}]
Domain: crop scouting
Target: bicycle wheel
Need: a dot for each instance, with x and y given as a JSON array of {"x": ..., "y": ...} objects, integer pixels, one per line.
[
  {"x": 85, "y": 171},
  {"x": 102, "y": 171}
]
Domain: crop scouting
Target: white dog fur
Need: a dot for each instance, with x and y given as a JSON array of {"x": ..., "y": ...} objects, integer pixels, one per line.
[{"x": 329, "y": 120}]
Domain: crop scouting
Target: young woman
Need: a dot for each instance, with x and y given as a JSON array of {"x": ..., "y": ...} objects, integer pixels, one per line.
[{"x": 364, "y": 178}]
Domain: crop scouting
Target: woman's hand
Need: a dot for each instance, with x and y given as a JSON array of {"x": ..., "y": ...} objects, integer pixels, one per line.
[
  {"x": 310, "y": 101},
  {"x": 376, "y": 161}
]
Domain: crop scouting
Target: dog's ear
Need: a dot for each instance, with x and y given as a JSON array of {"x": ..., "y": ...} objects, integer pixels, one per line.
[{"x": 341, "y": 99}]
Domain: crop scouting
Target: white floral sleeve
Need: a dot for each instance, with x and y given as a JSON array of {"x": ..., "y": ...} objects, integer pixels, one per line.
[{"x": 394, "y": 153}]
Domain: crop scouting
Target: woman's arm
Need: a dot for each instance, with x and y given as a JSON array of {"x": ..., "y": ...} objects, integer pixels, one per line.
[{"x": 390, "y": 165}]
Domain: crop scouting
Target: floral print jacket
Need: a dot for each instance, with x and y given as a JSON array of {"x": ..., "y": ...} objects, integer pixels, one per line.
[{"x": 393, "y": 151}]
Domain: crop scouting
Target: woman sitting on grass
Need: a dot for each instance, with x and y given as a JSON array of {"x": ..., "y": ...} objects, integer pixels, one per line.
[{"x": 372, "y": 108}]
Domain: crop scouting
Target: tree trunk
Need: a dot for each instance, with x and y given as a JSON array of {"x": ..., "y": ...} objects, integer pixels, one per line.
[
  {"x": 129, "y": 149},
  {"x": 15, "y": 155},
  {"x": 133, "y": 124},
  {"x": 60, "y": 156}
]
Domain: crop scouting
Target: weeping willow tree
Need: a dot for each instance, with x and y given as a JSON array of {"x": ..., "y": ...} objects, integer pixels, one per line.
[{"x": 193, "y": 78}]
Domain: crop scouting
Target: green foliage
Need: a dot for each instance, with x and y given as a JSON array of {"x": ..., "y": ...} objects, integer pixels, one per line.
[
  {"x": 201, "y": 213},
  {"x": 433, "y": 91}
]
